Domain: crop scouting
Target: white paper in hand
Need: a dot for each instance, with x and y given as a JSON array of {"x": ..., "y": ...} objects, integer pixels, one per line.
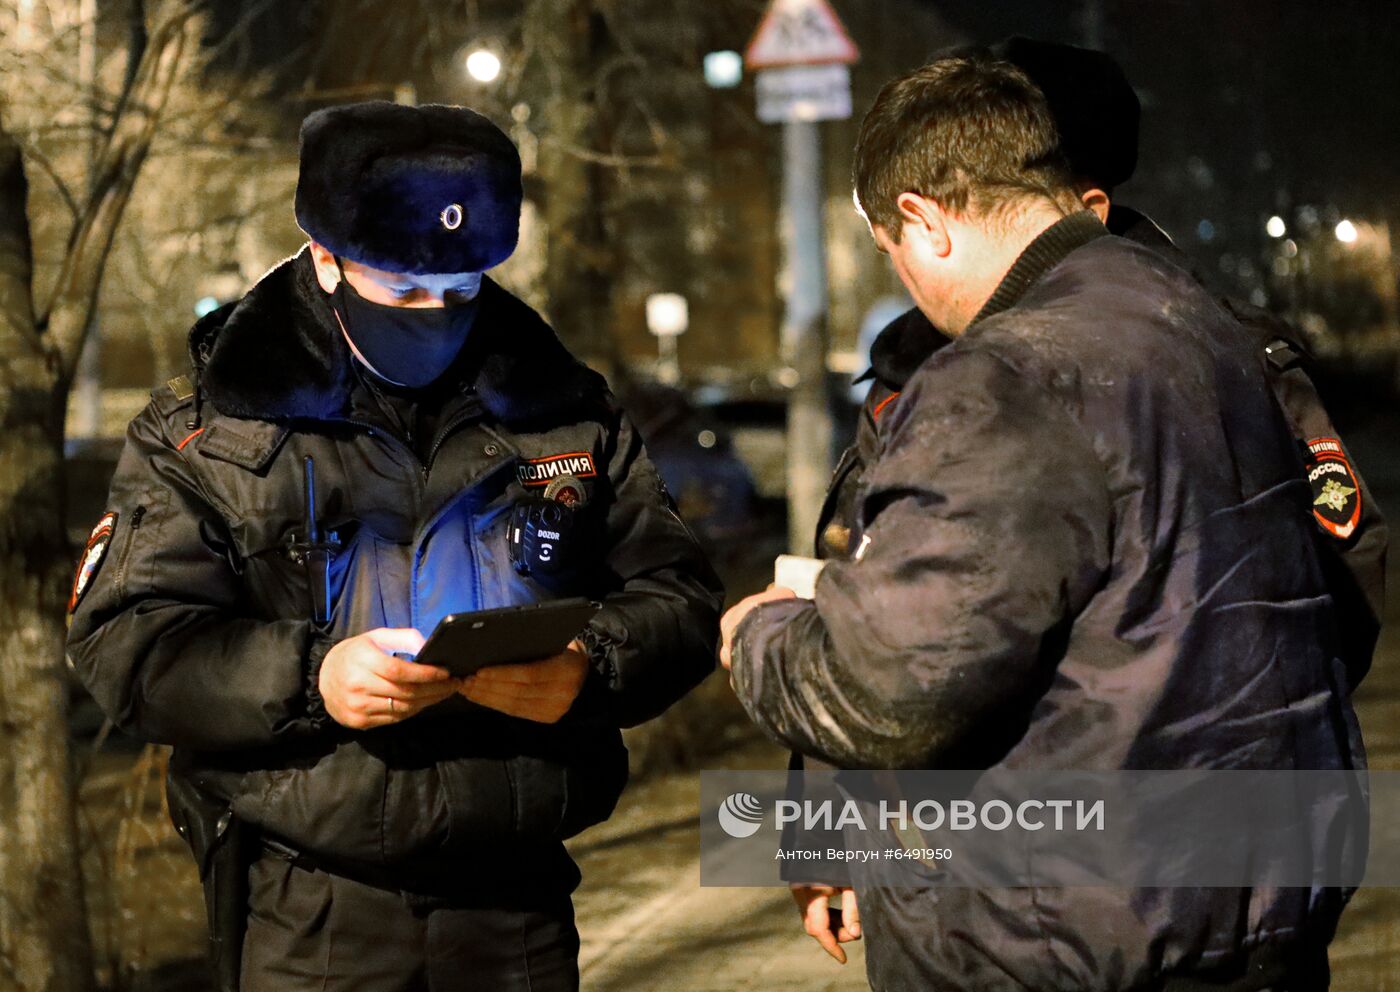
[{"x": 798, "y": 574}]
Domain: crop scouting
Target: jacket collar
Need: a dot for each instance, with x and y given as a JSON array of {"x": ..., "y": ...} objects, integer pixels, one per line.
[
  {"x": 1125, "y": 222},
  {"x": 901, "y": 347},
  {"x": 1040, "y": 256},
  {"x": 277, "y": 354}
]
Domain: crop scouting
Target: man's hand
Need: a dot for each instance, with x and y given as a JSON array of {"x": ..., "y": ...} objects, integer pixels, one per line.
[
  {"x": 541, "y": 691},
  {"x": 731, "y": 620},
  {"x": 814, "y": 905},
  {"x": 365, "y": 686}
]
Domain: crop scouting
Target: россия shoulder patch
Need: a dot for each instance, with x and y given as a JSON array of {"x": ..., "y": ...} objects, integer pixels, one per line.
[
  {"x": 1336, "y": 491},
  {"x": 543, "y": 471},
  {"x": 93, "y": 553}
]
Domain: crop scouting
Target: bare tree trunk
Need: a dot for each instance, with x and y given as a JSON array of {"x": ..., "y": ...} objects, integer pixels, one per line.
[
  {"x": 566, "y": 37},
  {"x": 44, "y": 939},
  {"x": 44, "y": 942}
]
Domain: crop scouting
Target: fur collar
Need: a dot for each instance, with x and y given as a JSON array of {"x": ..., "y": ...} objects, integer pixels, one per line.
[{"x": 277, "y": 354}]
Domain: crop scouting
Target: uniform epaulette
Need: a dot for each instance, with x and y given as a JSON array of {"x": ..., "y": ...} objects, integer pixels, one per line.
[
  {"x": 173, "y": 395},
  {"x": 1282, "y": 354},
  {"x": 182, "y": 386}
]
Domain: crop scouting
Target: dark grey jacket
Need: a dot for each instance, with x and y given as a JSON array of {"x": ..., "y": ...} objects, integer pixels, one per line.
[
  {"x": 1086, "y": 529},
  {"x": 196, "y": 630}
]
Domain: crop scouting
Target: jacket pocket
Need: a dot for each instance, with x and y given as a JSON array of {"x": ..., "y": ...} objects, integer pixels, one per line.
[
  {"x": 135, "y": 562},
  {"x": 124, "y": 560},
  {"x": 503, "y": 778},
  {"x": 328, "y": 804},
  {"x": 557, "y": 797},
  {"x": 548, "y": 794},
  {"x": 539, "y": 788},
  {"x": 480, "y": 801},
  {"x": 592, "y": 788}
]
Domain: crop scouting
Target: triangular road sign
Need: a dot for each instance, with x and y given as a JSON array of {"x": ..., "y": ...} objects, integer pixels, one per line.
[{"x": 800, "y": 32}]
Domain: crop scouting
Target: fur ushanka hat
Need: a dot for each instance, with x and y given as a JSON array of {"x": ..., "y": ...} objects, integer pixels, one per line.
[
  {"x": 420, "y": 190},
  {"x": 1094, "y": 105}
]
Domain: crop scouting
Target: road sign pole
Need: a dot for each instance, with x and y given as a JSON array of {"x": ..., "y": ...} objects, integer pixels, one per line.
[
  {"x": 804, "y": 332},
  {"x": 803, "y": 52}
]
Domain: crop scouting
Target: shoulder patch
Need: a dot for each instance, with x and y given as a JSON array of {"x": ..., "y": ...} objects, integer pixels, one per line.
[
  {"x": 1336, "y": 491},
  {"x": 567, "y": 489},
  {"x": 543, "y": 471},
  {"x": 93, "y": 553}
]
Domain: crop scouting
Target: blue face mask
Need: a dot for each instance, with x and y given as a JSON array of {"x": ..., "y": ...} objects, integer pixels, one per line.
[{"x": 407, "y": 346}]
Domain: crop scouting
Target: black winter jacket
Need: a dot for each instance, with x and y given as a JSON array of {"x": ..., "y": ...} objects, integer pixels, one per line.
[
  {"x": 1354, "y": 560},
  {"x": 196, "y": 631},
  {"x": 1087, "y": 544}
]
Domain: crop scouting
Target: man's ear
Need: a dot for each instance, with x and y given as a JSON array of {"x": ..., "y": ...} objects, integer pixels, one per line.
[
  {"x": 922, "y": 216},
  {"x": 327, "y": 272},
  {"x": 1097, "y": 201}
]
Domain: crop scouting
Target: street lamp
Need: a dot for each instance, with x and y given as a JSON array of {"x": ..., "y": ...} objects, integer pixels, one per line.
[
  {"x": 668, "y": 316},
  {"x": 1345, "y": 232},
  {"x": 1276, "y": 227},
  {"x": 724, "y": 70},
  {"x": 483, "y": 65}
]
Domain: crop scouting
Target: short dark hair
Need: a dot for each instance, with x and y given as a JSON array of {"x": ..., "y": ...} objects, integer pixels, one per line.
[{"x": 966, "y": 130}]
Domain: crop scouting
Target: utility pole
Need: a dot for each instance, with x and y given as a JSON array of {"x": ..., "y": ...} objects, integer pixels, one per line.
[
  {"x": 804, "y": 52},
  {"x": 804, "y": 339}
]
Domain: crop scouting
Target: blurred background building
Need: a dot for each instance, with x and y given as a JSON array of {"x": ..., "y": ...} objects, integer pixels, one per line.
[{"x": 1267, "y": 153}]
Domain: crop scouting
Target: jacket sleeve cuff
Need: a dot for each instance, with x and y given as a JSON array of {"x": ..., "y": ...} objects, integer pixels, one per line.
[
  {"x": 316, "y": 713},
  {"x": 601, "y": 650}
]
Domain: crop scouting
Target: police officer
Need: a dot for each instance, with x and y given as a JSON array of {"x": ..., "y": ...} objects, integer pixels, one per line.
[
  {"x": 359, "y": 446},
  {"x": 1046, "y": 557}
]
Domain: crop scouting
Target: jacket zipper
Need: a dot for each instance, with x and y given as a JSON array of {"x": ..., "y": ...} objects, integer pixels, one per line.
[
  {"x": 470, "y": 542},
  {"x": 374, "y": 430},
  {"x": 441, "y": 438},
  {"x": 136, "y": 516},
  {"x": 443, "y": 433}
]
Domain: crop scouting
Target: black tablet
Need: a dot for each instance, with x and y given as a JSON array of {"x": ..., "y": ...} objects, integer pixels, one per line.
[{"x": 464, "y": 642}]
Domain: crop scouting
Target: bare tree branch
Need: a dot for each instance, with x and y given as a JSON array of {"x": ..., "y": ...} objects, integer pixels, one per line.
[
  {"x": 43, "y": 162},
  {"x": 137, "y": 38},
  {"x": 66, "y": 313},
  {"x": 605, "y": 158}
]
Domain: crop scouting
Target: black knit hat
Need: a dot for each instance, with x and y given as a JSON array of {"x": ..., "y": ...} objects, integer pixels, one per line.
[
  {"x": 420, "y": 190},
  {"x": 1094, "y": 106}
]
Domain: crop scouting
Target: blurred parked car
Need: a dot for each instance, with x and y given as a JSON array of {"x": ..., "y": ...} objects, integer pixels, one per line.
[{"x": 695, "y": 454}]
